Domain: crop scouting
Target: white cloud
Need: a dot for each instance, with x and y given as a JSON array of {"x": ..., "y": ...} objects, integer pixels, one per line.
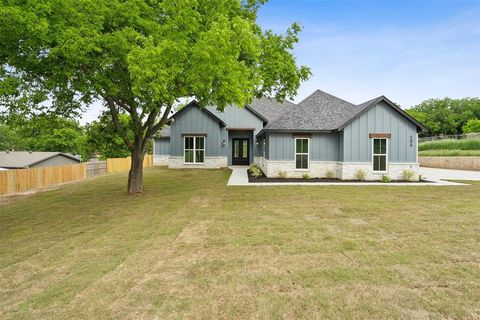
[{"x": 406, "y": 64}]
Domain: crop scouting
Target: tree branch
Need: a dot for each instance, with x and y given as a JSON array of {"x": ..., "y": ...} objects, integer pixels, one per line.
[
  {"x": 116, "y": 121},
  {"x": 152, "y": 128}
]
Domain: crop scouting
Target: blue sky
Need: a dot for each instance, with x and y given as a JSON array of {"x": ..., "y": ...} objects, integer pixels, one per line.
[{"x": 407, "y": 50}]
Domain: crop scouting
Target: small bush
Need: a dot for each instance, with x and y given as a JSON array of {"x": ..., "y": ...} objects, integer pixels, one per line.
[
  {"x": 360, "y": 175},
  {"x": 330, "y": 174},
  {"x": 386, "y": 179},
  {"x": 282, "y": 174},
  {"x": 255, "y": 171},
  {"x": 408, "y": 175},
  {"x": 305, "y": 176}
]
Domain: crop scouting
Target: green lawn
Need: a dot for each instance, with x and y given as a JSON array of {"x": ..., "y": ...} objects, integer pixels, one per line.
[
  {"x": 190, "y": 247},
  {"x": 449, "y": 153}
]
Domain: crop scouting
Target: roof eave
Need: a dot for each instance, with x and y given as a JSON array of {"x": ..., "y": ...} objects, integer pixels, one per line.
[
  {"x": 263, "y": 131},
  {"x": 52, "y": 156},
  {"x": 265, "y": 120}
]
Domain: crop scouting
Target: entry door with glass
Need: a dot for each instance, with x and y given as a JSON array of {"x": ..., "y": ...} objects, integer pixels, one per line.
[{"x": 240, "y": 152}]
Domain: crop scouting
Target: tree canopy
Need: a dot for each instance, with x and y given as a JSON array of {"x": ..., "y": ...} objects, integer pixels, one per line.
[
  {"x": 43, "y": 133},
  {"x": 140, "y": 57},
  {"x": 446, "y": 116},
  {"x": 103, "y": 139}
]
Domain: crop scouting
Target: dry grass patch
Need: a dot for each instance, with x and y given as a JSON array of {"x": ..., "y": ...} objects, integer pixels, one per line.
[{"x": 190, "y": 247}]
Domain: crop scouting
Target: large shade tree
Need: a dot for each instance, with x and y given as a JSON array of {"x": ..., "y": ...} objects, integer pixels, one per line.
[{"x": 140, "y": 57}]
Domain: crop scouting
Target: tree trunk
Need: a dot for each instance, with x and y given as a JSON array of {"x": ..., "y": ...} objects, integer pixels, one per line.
[{"x": 135, "y": 175}]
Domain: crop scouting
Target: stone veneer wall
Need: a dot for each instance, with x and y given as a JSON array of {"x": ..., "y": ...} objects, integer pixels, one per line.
[
  {"x": 343, "y": 170},
  {"x": 160, "y": 160},
  {"x": 459, "y": 163},
  {"x": 210, "y": 163},
  {"x": 395, "y": 170}
]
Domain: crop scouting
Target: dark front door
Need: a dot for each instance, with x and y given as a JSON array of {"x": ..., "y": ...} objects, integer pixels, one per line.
[{"x": 240, "y": 151}]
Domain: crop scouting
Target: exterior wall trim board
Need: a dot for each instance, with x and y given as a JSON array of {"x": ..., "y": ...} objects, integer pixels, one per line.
[{"x": 380, "y": 135}]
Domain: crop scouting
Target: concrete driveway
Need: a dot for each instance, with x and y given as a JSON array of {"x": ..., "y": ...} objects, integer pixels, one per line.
[{"x": 435, "y": 174}]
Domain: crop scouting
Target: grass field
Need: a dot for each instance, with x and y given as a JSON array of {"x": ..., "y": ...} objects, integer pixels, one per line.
[
  {"x": 190, "y": 247},
  {"x": 448, "y": 144},
  {"x": 449, "y": 153}
]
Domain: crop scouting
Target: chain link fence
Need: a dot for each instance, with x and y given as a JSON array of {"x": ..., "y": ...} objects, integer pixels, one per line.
[{"x": 451, "y": 137}]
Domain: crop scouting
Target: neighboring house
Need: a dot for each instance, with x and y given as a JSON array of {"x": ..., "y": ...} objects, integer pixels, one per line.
[
  {"x": 28, "y": 159},
  {"x": 322, "y": 133}
]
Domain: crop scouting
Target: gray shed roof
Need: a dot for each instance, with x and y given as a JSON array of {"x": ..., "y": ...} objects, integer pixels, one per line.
[{"x": 25, "y": 159}]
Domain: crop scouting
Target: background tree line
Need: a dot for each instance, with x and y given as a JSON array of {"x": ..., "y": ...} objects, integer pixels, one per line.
[
  {"x": 448, "y": 116},
  {"x": 50, "y": 132}
]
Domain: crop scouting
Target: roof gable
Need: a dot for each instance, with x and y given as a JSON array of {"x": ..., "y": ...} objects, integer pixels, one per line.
[
  {"x": 364, "y": 107},
  {"x": 194, "y": 104}
]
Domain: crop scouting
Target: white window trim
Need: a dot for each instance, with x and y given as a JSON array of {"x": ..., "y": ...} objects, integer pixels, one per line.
[
  {"x": 194, "y": 149},
  {"x": 381, "y": 154},
  {"x": 308, "y": 154}
]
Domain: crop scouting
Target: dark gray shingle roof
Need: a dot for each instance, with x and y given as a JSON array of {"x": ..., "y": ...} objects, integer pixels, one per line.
[
  {"x": 318, "y": 112},
  {"x": 322, "y": 111},
  {"x": 25, "y": 159},
  {"x": 163, "y": 133},
  {"x": 271, "y": 109}
]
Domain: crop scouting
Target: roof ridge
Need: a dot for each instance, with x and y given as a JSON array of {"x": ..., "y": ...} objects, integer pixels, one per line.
[
  {"x": 369, "y": 101},
  {"x": 328, "y": 94}
]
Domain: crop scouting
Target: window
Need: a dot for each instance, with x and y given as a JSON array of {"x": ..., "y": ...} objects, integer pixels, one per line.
[
  {"x": 301, "y": 153},
  {"x": 380, "y": 154},
  {"x": 194, "y": 149}
]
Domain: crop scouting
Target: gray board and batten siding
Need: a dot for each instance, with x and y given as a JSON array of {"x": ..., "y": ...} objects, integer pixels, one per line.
[
  {"x": 381, "y": 118},
  {"x": 198, "y": 121},
  {"x": 323, "y": 146},
  {"x": 353, "y": 143},
  {"x": 240, "y": 118}
]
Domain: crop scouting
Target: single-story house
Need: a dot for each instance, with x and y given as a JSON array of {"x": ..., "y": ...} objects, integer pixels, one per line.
[
  {"x": 29, "y": 159},
  {"x": 322, "y": 134}
]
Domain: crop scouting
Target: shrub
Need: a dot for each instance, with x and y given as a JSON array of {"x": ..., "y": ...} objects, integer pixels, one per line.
[
  {"x": 408, "y": 175},
  {"x": 255, "y": 171},
  {"x": 305, "y": 176},
  {"x": 282, "y": 174},
  {"x": 386, "y": 179},
  {"x": 472, "y": 125},
  {"x": 360, "y": 175},
  {"x": 330, "y": 174}
]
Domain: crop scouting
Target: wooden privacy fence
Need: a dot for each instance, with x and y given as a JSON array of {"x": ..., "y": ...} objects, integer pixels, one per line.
[
  {"x": 123, "y": 164},
  {"x": 96, "y": 168},
  {"x": 23, "y": 180}
]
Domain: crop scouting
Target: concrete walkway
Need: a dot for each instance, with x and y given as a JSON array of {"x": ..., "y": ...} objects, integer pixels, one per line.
[
  {"x": 435, "y": 174},
  {"x": 239, "y": 177}
]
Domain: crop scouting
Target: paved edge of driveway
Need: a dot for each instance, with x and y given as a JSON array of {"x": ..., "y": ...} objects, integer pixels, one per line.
[{"x": 239, "y": 177}]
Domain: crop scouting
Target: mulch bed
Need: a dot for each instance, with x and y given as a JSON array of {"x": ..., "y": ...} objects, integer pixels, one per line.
[{"x": 263, "y": 179}]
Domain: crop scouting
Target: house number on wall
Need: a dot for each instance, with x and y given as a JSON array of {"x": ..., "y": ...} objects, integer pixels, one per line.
[{"x": 411, "y": 141}]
